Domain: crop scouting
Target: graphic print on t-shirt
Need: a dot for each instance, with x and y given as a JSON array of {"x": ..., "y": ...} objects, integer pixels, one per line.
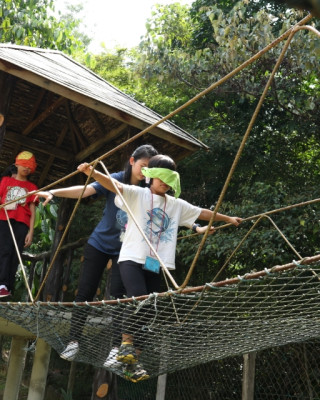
[
  {"x": 159, "y": 224},
  {"x": 13, "y": 193},
  {"x": 122, "y": 220}
]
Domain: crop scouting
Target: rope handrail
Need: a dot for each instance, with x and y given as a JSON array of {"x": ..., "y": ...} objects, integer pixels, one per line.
[
  {"x": 293, "y": 31},
  {"x": 252, "y": 276},
  {"x": 255, "y": 216}
]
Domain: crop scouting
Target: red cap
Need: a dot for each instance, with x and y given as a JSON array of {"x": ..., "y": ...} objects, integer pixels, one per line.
[{"x": 26, "y": 159}]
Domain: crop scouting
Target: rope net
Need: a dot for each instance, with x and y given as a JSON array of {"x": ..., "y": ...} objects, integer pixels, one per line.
[{"x": 177, "y": 330}]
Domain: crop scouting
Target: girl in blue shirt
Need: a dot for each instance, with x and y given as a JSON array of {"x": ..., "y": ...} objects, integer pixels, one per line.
[{"x": 103, "y": 245}]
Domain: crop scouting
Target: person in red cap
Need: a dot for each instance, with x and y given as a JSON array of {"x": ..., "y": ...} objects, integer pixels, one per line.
[{"x": 21, "y": 215}]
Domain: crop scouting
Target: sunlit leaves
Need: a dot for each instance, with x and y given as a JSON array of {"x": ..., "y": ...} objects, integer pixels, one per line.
[{"x": 32, "y": 23}]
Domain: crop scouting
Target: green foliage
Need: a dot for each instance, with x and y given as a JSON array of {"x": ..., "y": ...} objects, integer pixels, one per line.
[
  {"x": 113, "y": 66},
  {"x": 264, "y": 247},
  {"x": 280, "y": 162},
  {"x": 66, "y": 395},
  {"x": 44, "y": 227},
  {"x": 32, "y": 23}
]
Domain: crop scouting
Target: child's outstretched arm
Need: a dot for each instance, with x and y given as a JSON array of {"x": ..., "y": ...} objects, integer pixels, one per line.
[
  {"x": 71, "y": 192},
  {"x": 103, "y": 179},
  {"x": 206, "y": 215}
]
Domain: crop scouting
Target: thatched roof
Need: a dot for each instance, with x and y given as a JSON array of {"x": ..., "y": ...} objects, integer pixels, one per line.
[{"x": 65, "y": 114}]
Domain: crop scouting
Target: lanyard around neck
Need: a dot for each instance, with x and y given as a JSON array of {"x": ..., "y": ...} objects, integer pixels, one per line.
[{"x": 162, "y": 220}]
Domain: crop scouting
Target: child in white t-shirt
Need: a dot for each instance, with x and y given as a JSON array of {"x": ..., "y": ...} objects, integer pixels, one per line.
[{"x": 159, "y": 216}]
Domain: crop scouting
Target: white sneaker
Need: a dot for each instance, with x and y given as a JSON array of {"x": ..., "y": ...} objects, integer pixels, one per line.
[
  {"x": 111, "y": 361},
  {"x": 70, "y": 352}
]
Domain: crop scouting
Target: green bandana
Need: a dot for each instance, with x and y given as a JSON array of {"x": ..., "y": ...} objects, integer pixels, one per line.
[{"x": 171, "y": 178}]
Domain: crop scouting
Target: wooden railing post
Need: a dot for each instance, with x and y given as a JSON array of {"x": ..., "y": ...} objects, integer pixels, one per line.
[{"x": 249, "y": 366}]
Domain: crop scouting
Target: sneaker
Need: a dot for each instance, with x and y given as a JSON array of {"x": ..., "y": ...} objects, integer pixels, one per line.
[
  {"x": 70, "y": 352},
  {"x": 112, "y": 361},
  {"x": 127, "y": 353},
  {"x": 4, "y": 292},
  {"x": 135, "y": 373}
]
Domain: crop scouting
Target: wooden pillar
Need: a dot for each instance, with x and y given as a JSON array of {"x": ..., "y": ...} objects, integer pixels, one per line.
[
  {"x": 249, "y": 366},
  {"x": 16, "y": 366},
  {"x": 161, "y": 387},
  {"x": 39, "y": 371}
]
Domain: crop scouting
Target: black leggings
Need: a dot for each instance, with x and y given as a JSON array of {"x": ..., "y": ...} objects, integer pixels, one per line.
[
  {"x": 138, "y": 282},
  {"x": 9, "y": 260},
  {"x": 93, "y": 266}
]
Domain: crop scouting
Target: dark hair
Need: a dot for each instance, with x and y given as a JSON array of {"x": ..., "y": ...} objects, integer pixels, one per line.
[
  {"x": 162, "y": 161},
  {"x": 9, "y": 171},
  {"x": 144, "y": 151}
]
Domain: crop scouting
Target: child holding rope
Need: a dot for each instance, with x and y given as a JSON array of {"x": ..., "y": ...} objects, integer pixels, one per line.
[
  {"x": 20, "y": 215},
  {"x": 103, "y": 245},
  {"x": 159, "y": 215}
]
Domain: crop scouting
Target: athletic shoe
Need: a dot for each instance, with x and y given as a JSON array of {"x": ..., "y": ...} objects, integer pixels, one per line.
[
  {"x": 4, "y": 292},
  {"x": 112, "y": 361},
  {"x": 127, "y": 353},
  {"x": 70, "y": 352},
  {"x": 135, "y": 373}
]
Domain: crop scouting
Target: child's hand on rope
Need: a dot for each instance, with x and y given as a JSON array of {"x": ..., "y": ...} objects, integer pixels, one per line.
[
  {"x": 203, "y": 229},
  {"x": 85, "y": 168},
  {"x": 235, "y": 220},
  {"x": 48, "y": 196}
]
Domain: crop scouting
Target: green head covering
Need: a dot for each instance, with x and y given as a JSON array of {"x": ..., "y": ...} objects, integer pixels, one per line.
[{"x": 171, "y": 178}]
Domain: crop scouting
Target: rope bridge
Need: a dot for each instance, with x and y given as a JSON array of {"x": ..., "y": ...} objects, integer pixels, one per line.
[{"x": 178, "y": 330}]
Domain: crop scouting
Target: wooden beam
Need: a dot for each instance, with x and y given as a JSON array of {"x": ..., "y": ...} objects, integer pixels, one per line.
[
  {"x": 40, "y": 369},
  {"x": 74, "y": 127},
  {"x": 39, "y": 147},
  {"x": 17, "y": 361},
  {"x": 43, "y": 116},
  {"x": 8, "y": 328},
  {"x": 84, "y": 154},
  {"x": 36, "y": 105},
  {"x": 52, "y": 157},
  {"x": 101, "y": 128},
  {"x": 161, "y": 387}
]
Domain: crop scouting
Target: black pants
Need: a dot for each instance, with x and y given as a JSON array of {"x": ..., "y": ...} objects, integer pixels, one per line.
[
  {"x": 138, "y": 282},
  {"x": 9, "y": 260},
  {"x": 93, "y": 266}
]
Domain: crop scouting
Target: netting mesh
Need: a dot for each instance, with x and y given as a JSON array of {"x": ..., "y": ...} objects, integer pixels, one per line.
[{"x": 181, "y": 330}]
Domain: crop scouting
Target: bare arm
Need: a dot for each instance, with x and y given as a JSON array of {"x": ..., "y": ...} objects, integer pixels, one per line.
[
  {"x": 103, "y": 179},
  {"x": 206, "y": 215},
  {"x": 29, "y": 237},
  {"x": 72, "y": 192}
]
